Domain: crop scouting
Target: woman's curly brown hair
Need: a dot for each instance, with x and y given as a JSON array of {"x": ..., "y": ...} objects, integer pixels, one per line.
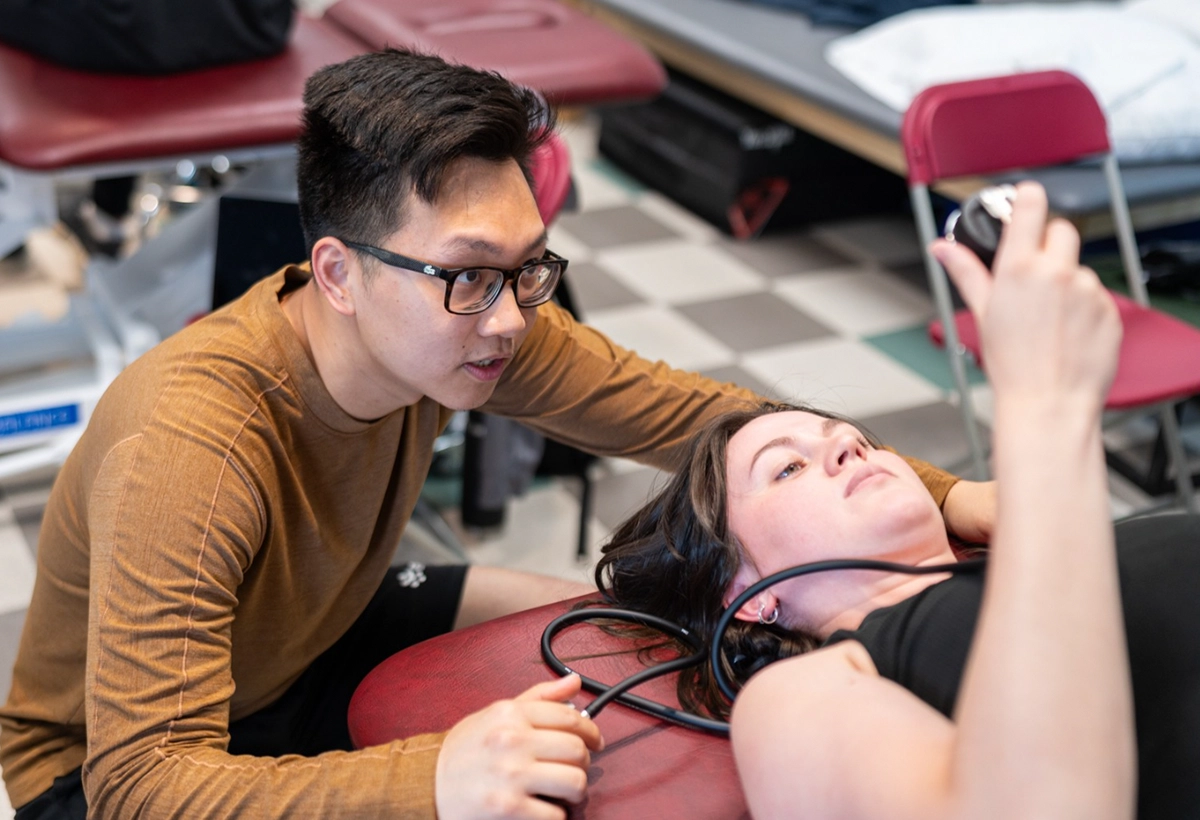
[{"x": 676, "y": 558}]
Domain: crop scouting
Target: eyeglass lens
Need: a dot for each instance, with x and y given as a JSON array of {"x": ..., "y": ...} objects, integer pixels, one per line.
[{"x": 474, "y": 290}]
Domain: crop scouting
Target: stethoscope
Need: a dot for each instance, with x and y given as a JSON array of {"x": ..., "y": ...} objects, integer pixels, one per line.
[{"x": 712, "y": 653}]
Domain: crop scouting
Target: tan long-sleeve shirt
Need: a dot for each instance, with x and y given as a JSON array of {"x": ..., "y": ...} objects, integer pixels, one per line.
[{"x": 222, "y": 522}]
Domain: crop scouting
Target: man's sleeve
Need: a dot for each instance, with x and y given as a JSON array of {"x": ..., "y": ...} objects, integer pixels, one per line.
[
  {"x": 936, "y": 480},
  {"x": 169, "y": 550},
  {"x": 573, "y": 384}
]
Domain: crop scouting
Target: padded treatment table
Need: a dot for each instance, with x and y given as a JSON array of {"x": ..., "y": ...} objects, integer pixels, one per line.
[
  {"x": 57, "y": 124},
  {"x": 571, "y": 58},
  {"x": 774, "y": 59},
  {"x": 53, "y": 118},
  {"x": 648, "y": 768}
]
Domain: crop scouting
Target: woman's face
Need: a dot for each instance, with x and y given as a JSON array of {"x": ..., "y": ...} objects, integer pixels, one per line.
[{"x": 806, "y": 488}]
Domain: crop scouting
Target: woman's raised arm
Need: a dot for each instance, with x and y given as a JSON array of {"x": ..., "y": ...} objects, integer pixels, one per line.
[{"x": 1044, "y": 719}]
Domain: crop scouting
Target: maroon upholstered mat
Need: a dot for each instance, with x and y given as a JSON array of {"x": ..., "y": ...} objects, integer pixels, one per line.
[
  {"x": 568, "y": 56},
  {"x": 648, "y": 768},
  {"x": 53, "y": 117}
]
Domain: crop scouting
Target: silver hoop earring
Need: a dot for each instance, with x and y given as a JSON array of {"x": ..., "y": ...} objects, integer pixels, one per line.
[{"x": 767, "y": 621}]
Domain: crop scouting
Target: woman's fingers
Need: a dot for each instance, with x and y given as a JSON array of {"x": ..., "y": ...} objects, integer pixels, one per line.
[
  {"x": 1062, "y": 239},
  {"x": 970, "y": 276},
  {"x": 1025, "y": 232}
]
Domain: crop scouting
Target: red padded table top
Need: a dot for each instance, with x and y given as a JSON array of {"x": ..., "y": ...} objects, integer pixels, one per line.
[
  {"x": 53, "y": 117},
  {"x": 568, "y": 56},
  {"x": 648, "y": 768}
]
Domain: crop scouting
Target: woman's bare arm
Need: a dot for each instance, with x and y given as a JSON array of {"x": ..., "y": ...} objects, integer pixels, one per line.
[{"x": 1044, "y": 726}]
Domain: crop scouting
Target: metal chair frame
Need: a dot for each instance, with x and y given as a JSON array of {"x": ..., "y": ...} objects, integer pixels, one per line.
[{"x": 992, "y": 125}]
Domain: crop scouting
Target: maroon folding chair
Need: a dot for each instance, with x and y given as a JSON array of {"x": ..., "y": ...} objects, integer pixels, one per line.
[{"x": 1033, "y": 120}]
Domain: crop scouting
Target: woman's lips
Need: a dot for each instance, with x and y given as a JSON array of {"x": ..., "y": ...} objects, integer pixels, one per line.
[{"x": 866, "y": 472}]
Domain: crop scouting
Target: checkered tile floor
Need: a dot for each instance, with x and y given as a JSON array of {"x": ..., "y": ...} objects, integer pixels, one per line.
[{"x": 832, "y": 315}]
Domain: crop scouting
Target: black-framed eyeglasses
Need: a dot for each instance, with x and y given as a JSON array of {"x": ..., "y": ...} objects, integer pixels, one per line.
[{"x": 473, "y": 290}]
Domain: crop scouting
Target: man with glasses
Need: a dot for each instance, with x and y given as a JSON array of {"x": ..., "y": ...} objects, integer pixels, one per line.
[{"x": 213, "y": 568}]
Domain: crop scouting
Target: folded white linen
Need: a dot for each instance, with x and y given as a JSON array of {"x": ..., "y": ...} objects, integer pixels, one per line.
[{"x": 1140, "y": 58}]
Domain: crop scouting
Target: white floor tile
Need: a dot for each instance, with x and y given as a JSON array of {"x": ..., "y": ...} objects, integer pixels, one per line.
[
  {"x": 659, "y": 333},
  {"x": 581, "y": 134},
  {"x": 857, "y": 302},
  {"x": 676, "y": 216},
  {"x": 540, "y": 535},
  {"x": 983, "y": 403},
  {"x": 842, "y": 376},
  {"x": 618, "y": 466},
  {"x": 595, "y": 190},
  {"x": 678, "y": 271},
  {"x": 16, "y": 569}
]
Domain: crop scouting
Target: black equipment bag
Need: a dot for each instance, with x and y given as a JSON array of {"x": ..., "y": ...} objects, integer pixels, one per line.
[{"x": 146, "y": 36}]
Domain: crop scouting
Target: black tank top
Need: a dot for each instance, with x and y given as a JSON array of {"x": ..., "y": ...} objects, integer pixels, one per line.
[{"x": 922, "y": 644}]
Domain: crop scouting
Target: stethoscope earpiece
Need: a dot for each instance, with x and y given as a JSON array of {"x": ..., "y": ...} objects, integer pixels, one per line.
[{"x": 979, "y": 222}]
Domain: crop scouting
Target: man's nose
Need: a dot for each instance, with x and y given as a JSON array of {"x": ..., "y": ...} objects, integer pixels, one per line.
[{"x": 504, "y": 318}]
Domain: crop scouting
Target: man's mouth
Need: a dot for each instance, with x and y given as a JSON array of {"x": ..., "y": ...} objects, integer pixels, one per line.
[{"x": 487, "y": 369}]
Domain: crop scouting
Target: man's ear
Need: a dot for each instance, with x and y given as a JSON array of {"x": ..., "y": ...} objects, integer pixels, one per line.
[
  {"x": 332, "y": 266},
  {"x": 747, "y": 575}
]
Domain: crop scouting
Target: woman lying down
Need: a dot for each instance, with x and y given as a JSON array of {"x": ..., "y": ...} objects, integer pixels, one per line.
[{"x": 1061, "y": 682}]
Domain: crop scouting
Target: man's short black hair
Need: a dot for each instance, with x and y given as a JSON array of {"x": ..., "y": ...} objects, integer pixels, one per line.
[{"x": 381, "y": 125}]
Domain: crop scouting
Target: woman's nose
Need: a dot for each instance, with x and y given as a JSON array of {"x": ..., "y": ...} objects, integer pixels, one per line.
[{"x": 844, "y": 450}]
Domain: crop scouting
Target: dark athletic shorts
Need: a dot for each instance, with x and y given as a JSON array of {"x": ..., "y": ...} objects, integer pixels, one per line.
[{"x": 414, "y": 602}]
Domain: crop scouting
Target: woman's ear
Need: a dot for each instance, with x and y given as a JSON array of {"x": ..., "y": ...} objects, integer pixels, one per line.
[
  {"x": 332, "y": 264},
  {"x": 759, "y": 607}
]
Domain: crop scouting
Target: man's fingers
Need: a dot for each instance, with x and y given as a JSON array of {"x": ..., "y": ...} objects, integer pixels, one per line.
[
  {"x": 970, "y": 276},
  {"x": 560, "y": 747},
  {"x": 557, "y": 780},
  {"x": 560, "y": 689},
  {"x": 533, "y": 808},
  {"x": 561, "y": 717}
]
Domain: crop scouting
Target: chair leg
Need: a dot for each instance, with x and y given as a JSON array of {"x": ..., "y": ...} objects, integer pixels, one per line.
[
  {"x": 425, "y": 514},
  {"x": 923, "y": 209},
  {"x": 1178, "y": 457},
  {"x": 585, "y": 512}
]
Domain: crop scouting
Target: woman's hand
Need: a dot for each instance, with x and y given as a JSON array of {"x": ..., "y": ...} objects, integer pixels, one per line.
[{"x": 1049, "y": 329}]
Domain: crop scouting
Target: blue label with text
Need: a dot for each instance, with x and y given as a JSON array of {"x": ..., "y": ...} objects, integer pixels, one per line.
[{"x": 35, "y": 421}]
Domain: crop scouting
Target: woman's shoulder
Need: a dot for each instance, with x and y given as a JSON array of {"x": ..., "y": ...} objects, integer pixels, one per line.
[{"x": 830, "y": 666}]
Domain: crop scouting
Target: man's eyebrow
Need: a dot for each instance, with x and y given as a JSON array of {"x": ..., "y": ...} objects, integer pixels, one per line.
[{"x": 479, "y": 245}]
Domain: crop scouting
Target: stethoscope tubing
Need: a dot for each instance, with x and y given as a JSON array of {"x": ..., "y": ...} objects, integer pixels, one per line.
[{"x": 607, "y": 693}]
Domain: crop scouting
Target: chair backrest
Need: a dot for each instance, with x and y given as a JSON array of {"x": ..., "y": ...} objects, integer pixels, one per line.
[
  {"x": 1001, "y": 123},
  {"x": 985, "y": 126},
  {"x": 551, "y": 170}
]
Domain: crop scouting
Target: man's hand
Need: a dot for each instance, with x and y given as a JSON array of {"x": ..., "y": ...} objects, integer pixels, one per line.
[
  {"x": 970, "y": 510},
  {"x": 498, "y": 762}
]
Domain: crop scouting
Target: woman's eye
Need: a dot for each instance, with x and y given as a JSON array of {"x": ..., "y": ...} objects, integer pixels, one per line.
[{"x": 790, "y": 470}]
